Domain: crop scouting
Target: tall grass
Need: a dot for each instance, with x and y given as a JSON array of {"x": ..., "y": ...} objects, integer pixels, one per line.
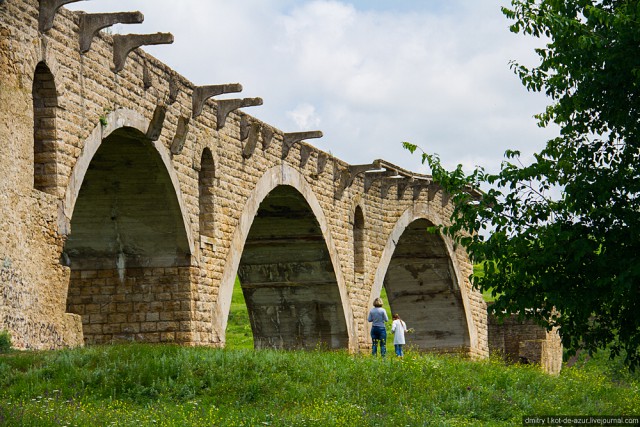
[
  {"x": 478, "y": 271},
  {"x": 239, "y": 334},
  {"x": 140, "y": 385},
  {"x": 165, "y": 385}
]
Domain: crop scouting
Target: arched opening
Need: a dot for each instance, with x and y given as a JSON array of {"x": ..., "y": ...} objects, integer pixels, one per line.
[
  {"x": 422, "y": 287},
  {"x": 288, "y": 279},
  {"x": 358, "y": 241},
  {"x": 45, "y": 104},
  {"x": 128, "y": 249},
  {"x": 206, "y": 180}
]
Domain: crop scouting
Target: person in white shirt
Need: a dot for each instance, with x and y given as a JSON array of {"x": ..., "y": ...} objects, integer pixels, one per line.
[{"x": 398, "y": 327}]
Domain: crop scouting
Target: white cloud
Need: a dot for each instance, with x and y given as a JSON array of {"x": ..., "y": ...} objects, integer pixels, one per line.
[
  {"x": 368, "y": 73},
  {"x": 304, "y": 116}
]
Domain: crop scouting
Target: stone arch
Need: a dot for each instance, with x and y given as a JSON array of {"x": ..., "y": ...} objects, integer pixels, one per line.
[
  {"x": 45, "y": 144},
  {"x": 206, "y": 191},
  {"x": 115, "y": 120},
  {"x": 127, "y": 246},
  {"x": 38, "y": 52},
  {"x": 429, "y": 289},
  {"x": 273, "y": 178},
  {"x": 199, "y": 147}
]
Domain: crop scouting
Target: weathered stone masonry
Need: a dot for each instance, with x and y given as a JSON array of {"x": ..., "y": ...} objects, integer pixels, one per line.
[{"x": 130, "y": 200}]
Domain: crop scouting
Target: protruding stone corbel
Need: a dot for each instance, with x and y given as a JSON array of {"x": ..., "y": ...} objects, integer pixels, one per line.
[
  {"x": 445, "y": 198},
  {"x": 432, "y": 190},
  {"x": 252, "y": 140},
  {"x": 305, "y": 153},
  {"x": 402, "y": 186},
  {"x": 371, "y": 177},
  {"x": 174, "y": 90},
  {"x": 245, "y": 126},
  {"x": 476, "y": 195},
  {"x": 337, "y": 172},
  {"x": 47, "y": 12},
  {"x": 124, "y": 44},
  {"x": 348, "y": 175},
  {"x": 202, "y": 93},
  {"x": 226, "y": 106},
  {"x": 181, "y": 135},
  {"x": 401, "y": 182},
  {"x": 91, "y": 23},
  {"x": 267, "y": 137},
  {"x": 290, "y": 139},
  {"x": 385, "y": 185},
  {"x": 418, "y": 185},
  {"x": 322, "y": 162},
  {"x": 147, "y": 80},
  {"x": 155, "y": 126}
]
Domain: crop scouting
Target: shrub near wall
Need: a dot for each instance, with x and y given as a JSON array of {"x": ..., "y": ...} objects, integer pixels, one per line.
[{"x": 5, "y": 341}]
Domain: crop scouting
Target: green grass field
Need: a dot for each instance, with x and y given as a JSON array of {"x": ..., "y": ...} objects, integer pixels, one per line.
[
  {"x": 167, "y": 385},
  {"x": 239, "y": 334},
  {"x": 478, "y": 271}
]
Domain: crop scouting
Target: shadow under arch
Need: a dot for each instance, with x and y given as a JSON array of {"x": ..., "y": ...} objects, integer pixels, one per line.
[
  {"x": 120, "y": 118},
  {"x": 127, "y": 246},
  {"x": 307, "y": 299},
  {"x": 420, "y": 274}
]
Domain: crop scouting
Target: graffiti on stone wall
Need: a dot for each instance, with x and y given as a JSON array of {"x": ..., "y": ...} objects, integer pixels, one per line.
[
  {"x": 28, "y": 333},
  {"x": 16, "y": 298},
  {"x": 14, "y": 292}
]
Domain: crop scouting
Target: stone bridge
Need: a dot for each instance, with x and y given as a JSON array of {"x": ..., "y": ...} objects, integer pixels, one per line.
[{"x": 131, "y": 199}]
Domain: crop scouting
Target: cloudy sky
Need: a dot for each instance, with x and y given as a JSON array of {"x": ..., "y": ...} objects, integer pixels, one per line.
[{"x": 368, "y": 73}]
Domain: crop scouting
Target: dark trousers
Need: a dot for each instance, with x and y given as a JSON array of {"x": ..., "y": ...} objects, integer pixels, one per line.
[{"x": 379, "y": 337}]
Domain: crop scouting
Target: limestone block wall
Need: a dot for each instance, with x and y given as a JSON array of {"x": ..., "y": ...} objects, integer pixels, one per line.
[
  {"x": 47, "y": 298},
  {"x": 525, "y": 342},
  {"x": 150, "y": 305},
  {"x": 31, "y": 276}
]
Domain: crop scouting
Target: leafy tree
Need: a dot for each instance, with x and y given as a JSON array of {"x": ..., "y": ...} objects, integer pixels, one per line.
[{"x": 562, "y": 234}]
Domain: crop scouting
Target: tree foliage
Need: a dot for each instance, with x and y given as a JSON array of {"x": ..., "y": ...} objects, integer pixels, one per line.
[{"x": 562, "y": 234}]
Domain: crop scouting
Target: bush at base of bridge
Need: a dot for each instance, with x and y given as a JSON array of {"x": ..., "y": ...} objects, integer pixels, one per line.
[{"x": 5, "y": 341}]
